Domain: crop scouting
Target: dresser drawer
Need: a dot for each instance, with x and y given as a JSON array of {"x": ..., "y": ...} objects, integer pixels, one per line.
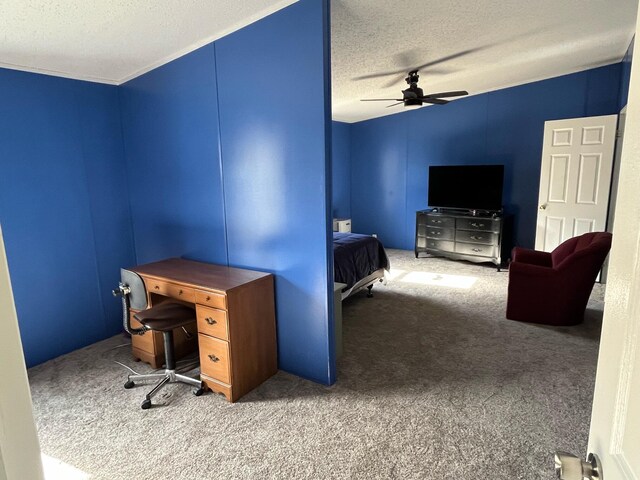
[
  {"x": 171, "y": 290},
  {"x": 475, "y": 249},
  {"x": 211, "y": 299},
  {"x": 445, "y": 246},
  {"x": 214, "y": 358},
  {"x": 212, "y": 321},
  {"x": 440, "y": 233},
  {"x": 484, "y": 224},
  {"x": 470, "y": 236},
  {"x": 440, "y": 221}
]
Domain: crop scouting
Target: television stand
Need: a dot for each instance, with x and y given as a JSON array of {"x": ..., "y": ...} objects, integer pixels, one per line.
[{"x": 472, "y": 235}]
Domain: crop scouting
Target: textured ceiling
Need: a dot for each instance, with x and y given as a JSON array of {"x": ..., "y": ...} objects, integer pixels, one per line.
[
  {"x": 491, "y": 43},
  {"x": 495, "y": 44},
  {"x": 112, "y": 41}
]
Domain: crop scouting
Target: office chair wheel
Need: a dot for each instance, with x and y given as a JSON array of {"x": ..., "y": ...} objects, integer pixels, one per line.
[
  {"x": 198, "y": 391},
  {"x": 146, "y": 405},
  {"x": 129, "y": 384}
]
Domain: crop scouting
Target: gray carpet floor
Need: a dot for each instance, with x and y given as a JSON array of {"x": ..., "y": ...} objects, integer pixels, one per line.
[{"x": 434, "y": 383}]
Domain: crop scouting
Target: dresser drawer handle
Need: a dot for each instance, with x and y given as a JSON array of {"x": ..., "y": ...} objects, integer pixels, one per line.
[
  {"x": 477, "y": 225},
  {"x": 208, "y": 298},
  {"x": 436, "y": 221},
  {"x": 213, "y": 358},
  {"x": 435, "y": 233},
  {"x": 210, "y": 321},
  {"x": 476, "y": 249},
  {"x": 180, "y": 292},
  {"x": 157, "y": 287},
  {"x": 474, "y": 237}
]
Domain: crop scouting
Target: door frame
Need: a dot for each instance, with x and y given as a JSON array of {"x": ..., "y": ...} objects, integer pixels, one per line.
[{"x": 19, "y": 446}]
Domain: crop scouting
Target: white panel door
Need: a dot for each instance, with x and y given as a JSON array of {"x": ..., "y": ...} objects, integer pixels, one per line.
[{"x": 577, "y": 159}]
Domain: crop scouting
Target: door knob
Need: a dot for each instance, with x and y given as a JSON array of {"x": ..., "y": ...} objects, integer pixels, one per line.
[
  {"x": 570, "y": 467},
  {"x": 543, "y": 206}
]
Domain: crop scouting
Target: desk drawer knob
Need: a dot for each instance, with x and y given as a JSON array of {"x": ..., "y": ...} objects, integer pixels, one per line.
[
  {"x": 208, "y": 298},
  {"x": 180, "y": 292},
  {"x": 210, "y": 321},
  {"x": 213, "y": 358}
]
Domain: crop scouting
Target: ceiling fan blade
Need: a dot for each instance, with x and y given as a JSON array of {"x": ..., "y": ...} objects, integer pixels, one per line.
[
  {"x": 396, "y": 79},
  {"x": 448, "y": 57},
  {"x": 435, "y": 101},
  {"x": 378, "y": 75},
  {"x": 381, "y": 100},
  {"x": 402, "y": 71},
  {"x": 459, "y": 93},
  {"x": 394, "y": 104},
  {"x": 399, "y": 75}
]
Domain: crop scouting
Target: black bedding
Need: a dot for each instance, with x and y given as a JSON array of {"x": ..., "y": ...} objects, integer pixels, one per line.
[{"x": 355, "y": 256}]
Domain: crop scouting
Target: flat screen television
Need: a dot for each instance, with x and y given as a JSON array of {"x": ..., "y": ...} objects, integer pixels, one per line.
[{"x": 473, "y": 187}]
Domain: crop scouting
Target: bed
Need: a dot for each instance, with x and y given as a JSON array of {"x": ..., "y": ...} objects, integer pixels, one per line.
[{"x": 359, "y": 262}]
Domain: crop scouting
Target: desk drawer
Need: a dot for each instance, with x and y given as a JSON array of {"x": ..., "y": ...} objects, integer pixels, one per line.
[
  {"x": 171, "y": 290},
  {"x": 144, "y": 341},
  {"x": 214, "y": 358},
  {"x": 212, "y": 321},
  {"x": 211, "y": 299}
]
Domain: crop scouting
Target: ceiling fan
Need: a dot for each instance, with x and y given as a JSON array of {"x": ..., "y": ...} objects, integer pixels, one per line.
[{"x": 414, "y": 96}]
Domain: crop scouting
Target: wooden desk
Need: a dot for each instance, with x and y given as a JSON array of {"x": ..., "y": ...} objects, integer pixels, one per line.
[{"x": 236, "y": 328}]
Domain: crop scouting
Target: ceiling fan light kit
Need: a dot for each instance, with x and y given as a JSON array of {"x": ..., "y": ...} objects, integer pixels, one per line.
[{"x": 414, "y": 97}]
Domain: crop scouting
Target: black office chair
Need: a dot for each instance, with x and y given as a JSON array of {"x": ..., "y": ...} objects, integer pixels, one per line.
[{"x": 163, "y": 317}]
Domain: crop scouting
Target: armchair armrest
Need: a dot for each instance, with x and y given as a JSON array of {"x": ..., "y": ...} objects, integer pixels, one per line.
[
  {"x": 531, "y": 257},
  {"x": 531, "y": 270}
]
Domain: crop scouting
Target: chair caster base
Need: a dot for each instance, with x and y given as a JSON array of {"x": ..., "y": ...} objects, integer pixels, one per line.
[
  {"x": 146, "y": 405},
  {"x": 129, "y": 384},
  {"x": 198, "y": 391}
]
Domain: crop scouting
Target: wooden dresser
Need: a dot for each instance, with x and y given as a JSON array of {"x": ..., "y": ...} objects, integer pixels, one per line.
[{"x": 236, "y": 329}]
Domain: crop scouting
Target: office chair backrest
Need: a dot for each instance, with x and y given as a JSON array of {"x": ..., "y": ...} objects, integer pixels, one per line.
[{"x": 138, "y": 293}]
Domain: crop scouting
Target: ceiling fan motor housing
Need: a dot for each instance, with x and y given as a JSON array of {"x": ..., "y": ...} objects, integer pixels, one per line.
[{"x": 412, "y": 95}]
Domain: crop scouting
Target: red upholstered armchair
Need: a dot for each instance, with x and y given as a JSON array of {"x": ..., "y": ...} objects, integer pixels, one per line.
[{"x": 554, "y": 288}]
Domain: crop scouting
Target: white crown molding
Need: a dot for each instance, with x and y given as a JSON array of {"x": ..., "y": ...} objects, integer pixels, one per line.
[
  {"x": 258, "y": 15},
  {"x": 201, "y": 43},
  {"x": 55, "y": 73}
]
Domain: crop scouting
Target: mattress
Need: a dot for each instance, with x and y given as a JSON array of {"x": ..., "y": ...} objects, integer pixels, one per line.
[{"x": 356, "y": 256}]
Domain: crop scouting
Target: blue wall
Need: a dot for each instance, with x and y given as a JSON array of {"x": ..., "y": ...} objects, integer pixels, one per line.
[
  {"x": 275, "y": 161},
  {"x": 390, "y": 155},
  {"x": 64, "y": 209},
  {"x": 341, "y": 169},
  {"x": 625, "y": 76},
  {"x": 229, "y": 174},
  {"x": 170, "y": 120}
]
